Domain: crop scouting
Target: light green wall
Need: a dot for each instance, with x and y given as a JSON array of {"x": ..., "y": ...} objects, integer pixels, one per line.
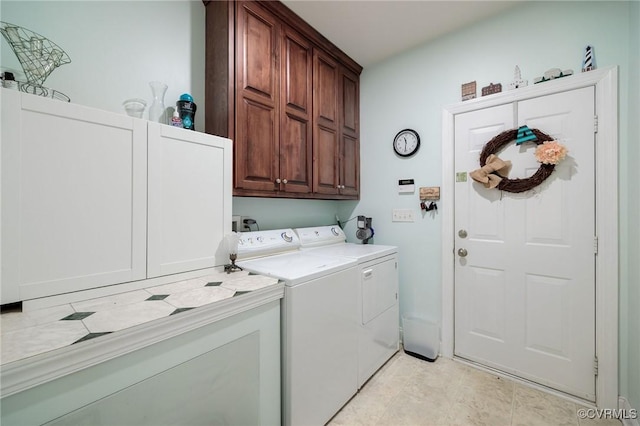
[
  {"x": 116, "y": 48},
  {"x": 272, "y": 213},
  {"x": 411, "y": 89}
]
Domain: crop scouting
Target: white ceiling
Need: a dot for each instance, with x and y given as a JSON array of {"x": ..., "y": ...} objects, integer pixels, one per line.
[{"x": 372, "y": 30}]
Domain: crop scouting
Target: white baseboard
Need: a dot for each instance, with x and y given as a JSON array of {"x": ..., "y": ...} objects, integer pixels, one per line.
[{"x": 623, "y": 404}]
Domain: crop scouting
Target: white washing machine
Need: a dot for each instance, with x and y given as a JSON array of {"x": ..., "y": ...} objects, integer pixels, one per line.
[
  {"x": 319, "y": 323},
  {"x": 377, "y": 285}
]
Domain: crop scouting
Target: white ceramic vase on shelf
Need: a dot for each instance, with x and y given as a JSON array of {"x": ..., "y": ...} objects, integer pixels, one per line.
[{"x": 157, "y": 110}]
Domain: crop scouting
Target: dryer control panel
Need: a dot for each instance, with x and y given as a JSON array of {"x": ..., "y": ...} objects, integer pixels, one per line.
[
  {"x": 320, "y": 235},
  {"x": 263, "y": 243}
]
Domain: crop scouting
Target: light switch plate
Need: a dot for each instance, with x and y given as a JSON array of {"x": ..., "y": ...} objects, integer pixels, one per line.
[{"x": 403, "y": 215}]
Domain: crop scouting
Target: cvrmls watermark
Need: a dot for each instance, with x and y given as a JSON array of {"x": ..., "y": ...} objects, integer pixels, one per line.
[{"x": 607, "y": 413}]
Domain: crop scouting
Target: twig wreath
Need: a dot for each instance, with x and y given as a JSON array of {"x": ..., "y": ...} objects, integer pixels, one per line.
[{"x": 493, "y": 171}]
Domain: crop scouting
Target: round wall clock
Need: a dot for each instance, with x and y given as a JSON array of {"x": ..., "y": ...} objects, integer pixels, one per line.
[{"x": 406, "y": 143}]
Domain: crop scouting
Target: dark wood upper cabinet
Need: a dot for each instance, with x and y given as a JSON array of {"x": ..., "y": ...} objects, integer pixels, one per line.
[{"x": 287, "y": 97}]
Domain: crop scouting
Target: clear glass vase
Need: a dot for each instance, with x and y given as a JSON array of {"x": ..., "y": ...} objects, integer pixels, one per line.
[{"x": 157, "y": 110}]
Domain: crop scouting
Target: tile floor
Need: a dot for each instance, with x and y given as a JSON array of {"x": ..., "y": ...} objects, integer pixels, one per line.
[{"x": 408, "y": 391}]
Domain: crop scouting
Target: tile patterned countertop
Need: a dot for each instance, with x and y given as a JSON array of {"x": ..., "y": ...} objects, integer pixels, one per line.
[{"x": 25, "y": 334}]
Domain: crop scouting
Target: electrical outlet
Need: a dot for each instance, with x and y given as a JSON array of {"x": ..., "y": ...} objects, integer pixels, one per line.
[
  {"x": 244, "y": 223},
  {"x": 403, "y": 215},
  {"x": 236, "y": 223}
]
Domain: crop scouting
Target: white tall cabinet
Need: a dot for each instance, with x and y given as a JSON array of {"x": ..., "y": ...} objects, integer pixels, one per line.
[{"x": 93, "y": 198}]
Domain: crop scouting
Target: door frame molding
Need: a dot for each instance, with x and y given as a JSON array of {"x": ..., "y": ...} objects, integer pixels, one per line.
[{"x": 605, "y": 81}]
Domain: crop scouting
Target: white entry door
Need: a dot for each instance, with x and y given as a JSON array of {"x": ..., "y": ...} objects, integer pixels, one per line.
[{"x": 525, "y": 291}]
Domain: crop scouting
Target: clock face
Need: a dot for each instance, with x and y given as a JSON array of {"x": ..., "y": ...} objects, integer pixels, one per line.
[{"x": 406, "y": 143}]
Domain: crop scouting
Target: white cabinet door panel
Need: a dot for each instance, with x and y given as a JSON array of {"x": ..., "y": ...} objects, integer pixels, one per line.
[
  {"x": 187, "y": 216},
  {"x": 73, "y": 209}
]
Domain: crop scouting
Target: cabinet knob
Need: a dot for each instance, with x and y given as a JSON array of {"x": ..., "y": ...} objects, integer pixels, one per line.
[
  {"x": 278, "y": 180},
  {"x": 284, "y": 181}
]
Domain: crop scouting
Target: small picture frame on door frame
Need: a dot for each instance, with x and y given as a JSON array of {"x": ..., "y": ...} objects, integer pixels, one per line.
[{"x": 469, "y": 90}]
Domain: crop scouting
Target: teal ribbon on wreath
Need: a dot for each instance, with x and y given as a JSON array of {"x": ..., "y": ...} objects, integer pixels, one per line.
[{"x": 524, "y": 135}]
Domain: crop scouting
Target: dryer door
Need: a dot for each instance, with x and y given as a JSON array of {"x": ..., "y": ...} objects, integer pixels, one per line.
[{"x": 379, "y": 280}]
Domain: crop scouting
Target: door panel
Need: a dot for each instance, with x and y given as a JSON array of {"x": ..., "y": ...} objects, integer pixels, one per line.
[
  {"x": 350, "y": 102},
  {"x": 296, "y": 152},
  {"x": 256, "y": 151},
  {"x": 73, "y": 202},
  {"x": 257, "y": 133},
  {"x": 257, "y": 31},
  {"x": 325, "y": 179},
  {"x": 326, "y": 140},
  {"x": 186, "y": 169},
  {"x": 487, "y": 315},
  {"x": 297, "y": 71},
  {"x": 524, "y": 294},
  {"x": 350, "y": 166},
  {"x": 548, "y": 335}
]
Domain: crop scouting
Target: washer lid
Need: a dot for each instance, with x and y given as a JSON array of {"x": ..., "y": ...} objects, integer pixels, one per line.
[
  {"x": 360, "y": 252},
  {"x": 296, "y": 267}
]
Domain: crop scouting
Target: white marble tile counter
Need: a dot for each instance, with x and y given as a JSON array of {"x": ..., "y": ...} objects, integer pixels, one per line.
[{"x": 38, "y": 344}]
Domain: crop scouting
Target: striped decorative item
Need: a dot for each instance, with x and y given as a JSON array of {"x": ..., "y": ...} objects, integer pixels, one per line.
[{"x": 588, "y": 64}]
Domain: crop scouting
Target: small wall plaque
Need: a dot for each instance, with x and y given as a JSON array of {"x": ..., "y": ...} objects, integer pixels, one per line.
[
  {"x": 468, "y": 90},
  {"x": 491, "y": 89},
  {"x": 430, "y": 193}
]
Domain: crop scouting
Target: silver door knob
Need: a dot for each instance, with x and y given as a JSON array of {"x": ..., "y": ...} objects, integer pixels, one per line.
[
  {"x": 284, "y": 181},
  {"x": 278, "y": 180},
  {"x": 462, "y": 252}
]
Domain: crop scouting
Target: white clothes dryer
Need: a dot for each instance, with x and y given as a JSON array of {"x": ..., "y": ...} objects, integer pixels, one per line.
[
  {"x": 377, "y": 288},
  {"x": 319, "y": 323}
]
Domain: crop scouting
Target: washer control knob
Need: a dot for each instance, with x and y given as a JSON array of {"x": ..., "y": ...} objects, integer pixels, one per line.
[{"x": 285, "y": 236}]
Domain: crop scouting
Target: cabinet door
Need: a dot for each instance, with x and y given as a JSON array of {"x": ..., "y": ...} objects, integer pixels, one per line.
[
  {"x": 326, "y": 128},
  {"x": 350, "y": 131},
  {"x": 73, "y": 197},
  {"x": 296, "y": 155},
  {"x": 187, "y": 216},
  {"x": 257, "y": 88}
]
